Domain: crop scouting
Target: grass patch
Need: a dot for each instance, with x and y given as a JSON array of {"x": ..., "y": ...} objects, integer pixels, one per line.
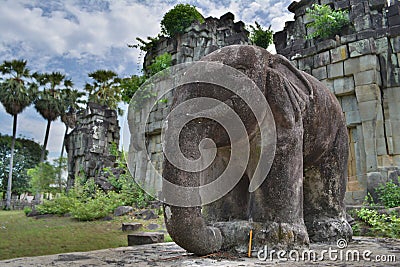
[{"x": 22, "y": 236}]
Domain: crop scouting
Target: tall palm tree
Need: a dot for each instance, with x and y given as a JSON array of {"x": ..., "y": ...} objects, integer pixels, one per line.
[
  {"x": 49, "y": 102},
  {"x": 16, "y": 93},
  {"x": 105, "y": 89},
  {"x": 71, "y": 100}
]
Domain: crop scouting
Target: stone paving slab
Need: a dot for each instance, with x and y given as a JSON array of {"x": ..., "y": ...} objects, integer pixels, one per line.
[{"x": 170, "y": 254}]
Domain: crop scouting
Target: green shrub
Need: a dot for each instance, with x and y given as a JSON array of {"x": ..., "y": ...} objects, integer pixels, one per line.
[
  {"x": 101, "y": 205},
  {"x": 327, "y": 22},
  {"x": 27, "y": 210},
  {"x": 380, "y": 224},
  {"x": 128, "y": 191},
  {"x": 179, "y": 18},
  {"x": 260, "y": 37},
  {"x": 59, "y": 206},
  {"x": 389, "y": 194},
  {"x": 86, "y": 202}
]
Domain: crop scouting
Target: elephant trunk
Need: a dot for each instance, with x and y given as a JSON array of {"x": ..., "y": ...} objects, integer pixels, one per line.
[
  {"x": 188, "y": 229},
  {"x": 186, "y": 225}
]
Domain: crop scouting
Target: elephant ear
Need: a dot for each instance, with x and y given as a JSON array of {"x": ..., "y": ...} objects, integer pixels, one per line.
[{"x": 298, "y": 81}]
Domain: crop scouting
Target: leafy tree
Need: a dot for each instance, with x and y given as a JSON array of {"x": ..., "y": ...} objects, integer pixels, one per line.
[
  {"x": 42, "y": 176},
  {"x": 327, "y": 22},
  {"x": 16, "y": 93},
  {"x": 105, "y": 89},
  {"x": 50, "y": 102},
  {"x": 179, "y": 18},
  {"x": 26, "y": 154},
  {"x": 260, "y": 37},
  {"x": 130, "y": 85}
]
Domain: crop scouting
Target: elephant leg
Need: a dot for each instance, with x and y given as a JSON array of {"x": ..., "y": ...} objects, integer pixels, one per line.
[
  {"x": 324, "y": 191},
  {"x": 277, "y": 206},
  {"x": 234, "y": 204},
  {"x": 278, "y": 203}
]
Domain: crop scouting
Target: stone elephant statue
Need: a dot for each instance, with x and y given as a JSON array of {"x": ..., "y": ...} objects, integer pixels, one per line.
[{"x": 301, "y": 199}]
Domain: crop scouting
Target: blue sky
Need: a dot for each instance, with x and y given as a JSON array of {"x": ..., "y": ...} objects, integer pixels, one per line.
[{"x": 76, "y": 37}]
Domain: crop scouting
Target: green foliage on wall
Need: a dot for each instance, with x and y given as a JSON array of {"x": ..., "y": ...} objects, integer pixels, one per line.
[
  {"x": 131, "y": 84},
  {"x": 326, "y": 22},
  {"x": 160, "y": 63},
  {"x": 145, "y": 46},
  {"x": 260, "y": 37},
  {"x": 179, "y": 18}
]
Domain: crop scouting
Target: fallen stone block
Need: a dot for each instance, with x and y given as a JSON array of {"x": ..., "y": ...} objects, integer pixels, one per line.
[
  {"x": 153, "y": 226},
  {"x": 145, "y": 238},
  {"x": 122, "y": 210},
  {"x": 131, "y": 226},
  {"x": 146, "y": 215}
]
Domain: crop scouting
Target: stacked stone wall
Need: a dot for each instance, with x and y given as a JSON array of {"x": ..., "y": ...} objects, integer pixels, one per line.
[
  {"x": 200, "y": 39},
  {"x": 89, "y": 144},
  {"x": 361, "y": 67}
]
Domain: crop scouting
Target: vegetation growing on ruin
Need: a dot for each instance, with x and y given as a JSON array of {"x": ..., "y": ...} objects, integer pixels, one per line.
[
  {"x": 389, "y": 194},
  {"x": 261, "y": 37},
  {"x": 374, "y": 223},
  {"x": 326, "y": 22},
  {"x": 174, "y": 22},
  {"x": 145, "y": 45},
  {"x": 179, "y": 18},
  {"x": 131, "y": 84}
]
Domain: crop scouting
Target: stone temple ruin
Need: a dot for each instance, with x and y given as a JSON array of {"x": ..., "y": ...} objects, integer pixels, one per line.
[{"x": 88, "y": 144}]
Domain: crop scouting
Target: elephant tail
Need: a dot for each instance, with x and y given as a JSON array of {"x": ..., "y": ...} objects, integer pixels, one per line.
[{"x": 188, "y": 229}]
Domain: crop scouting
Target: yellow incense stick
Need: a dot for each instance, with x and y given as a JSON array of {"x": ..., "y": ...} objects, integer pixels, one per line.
[{"x": 250, "y": 240}]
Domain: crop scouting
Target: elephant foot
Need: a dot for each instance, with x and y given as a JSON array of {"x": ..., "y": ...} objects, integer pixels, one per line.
[
  {"x": 329, "y": 230},
  {"x": 275, "y": 235}
]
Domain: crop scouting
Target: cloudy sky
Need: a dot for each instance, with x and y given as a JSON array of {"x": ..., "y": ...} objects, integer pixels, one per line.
[{"x": 76, "y": 37}]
